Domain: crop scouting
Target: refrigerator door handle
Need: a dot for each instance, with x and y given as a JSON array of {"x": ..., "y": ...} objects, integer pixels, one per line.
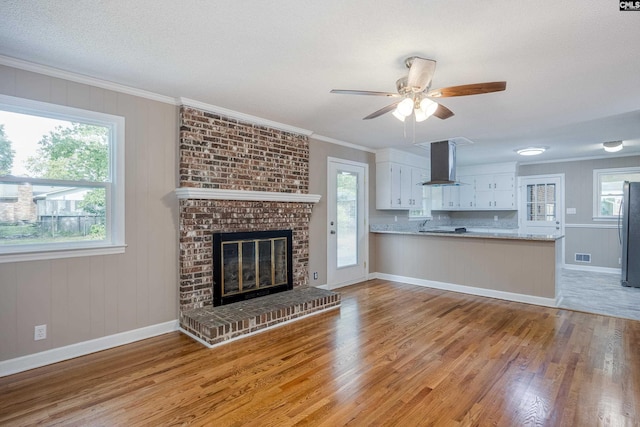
[{"x": 620, "y": 221}]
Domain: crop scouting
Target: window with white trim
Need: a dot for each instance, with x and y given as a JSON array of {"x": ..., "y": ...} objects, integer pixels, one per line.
[
  {"x": 607, "y": 190},
  {"x": 61, "y": 181}
]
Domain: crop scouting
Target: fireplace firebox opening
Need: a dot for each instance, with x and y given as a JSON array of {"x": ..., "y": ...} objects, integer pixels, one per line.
[{"x": 251, "y": 264}]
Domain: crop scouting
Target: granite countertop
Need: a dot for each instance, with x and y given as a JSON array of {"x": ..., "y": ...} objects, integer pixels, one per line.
[{"x": 477, "y": 235}]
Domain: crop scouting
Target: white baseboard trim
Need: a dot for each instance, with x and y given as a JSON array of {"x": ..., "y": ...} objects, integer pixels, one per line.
[
  {"x": 509, "y": 296},
  {"x": 347, "y": 283},
  {"x": 593, "y": 269},
  {"x": 277, "y": 325},
  {"x": 31, "y": 361}
]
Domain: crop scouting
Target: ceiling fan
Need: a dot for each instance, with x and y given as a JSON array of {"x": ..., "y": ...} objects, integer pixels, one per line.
[{"x": 414, "y": 91}]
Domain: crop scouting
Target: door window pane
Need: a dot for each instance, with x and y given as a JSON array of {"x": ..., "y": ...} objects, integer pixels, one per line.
[
  {"x": 347, "y": 218},
  {"x": 541, "y": 202}
]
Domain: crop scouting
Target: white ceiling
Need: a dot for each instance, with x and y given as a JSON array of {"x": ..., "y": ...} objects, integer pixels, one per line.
[{"x": 572, "y": 67}]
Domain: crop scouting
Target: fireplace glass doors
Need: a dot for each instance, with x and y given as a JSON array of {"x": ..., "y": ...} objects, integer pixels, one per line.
[{"x": 251, "y": 264}]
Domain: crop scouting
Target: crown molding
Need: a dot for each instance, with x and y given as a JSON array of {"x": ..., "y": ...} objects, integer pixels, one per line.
[
  {"x": 81, "y": 78},
  {"x": 343, "y": 143},
  {"x": 242, "y": 116},
  {"x": 256, "y": 196},
  {"x": 580, "y": 159},
  {"x": 116, "y": 87}
]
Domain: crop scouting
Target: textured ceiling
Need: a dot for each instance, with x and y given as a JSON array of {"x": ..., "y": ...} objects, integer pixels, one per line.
[{"x": 572, "y": 67}]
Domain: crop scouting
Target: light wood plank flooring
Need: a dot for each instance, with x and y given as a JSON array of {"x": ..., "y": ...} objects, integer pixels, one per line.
[{"x": 394, "y": 354}]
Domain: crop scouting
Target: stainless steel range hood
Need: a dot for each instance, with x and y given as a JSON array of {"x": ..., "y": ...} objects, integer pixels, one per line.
[{"x": 443, "y": 164}]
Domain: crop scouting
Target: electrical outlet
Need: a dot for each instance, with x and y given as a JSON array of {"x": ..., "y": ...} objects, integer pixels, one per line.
[
  {"x": 40, "y": 332},
  {"x": 315, "y": 275}
]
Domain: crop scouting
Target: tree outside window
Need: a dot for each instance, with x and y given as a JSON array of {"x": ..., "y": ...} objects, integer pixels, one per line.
[{"x": 57, "y": 201}]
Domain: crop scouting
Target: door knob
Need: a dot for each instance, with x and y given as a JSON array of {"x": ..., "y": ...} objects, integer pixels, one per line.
[{"x": 333, "y": 231}]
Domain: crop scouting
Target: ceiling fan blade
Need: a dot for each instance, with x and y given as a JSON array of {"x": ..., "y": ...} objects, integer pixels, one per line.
[
  {"x": 420, "y": 73},
  {"x": 382, "y": 111},
  {"x": 364, "y": 92},
  {"x": 443, "y": 112},
  {"x": 464, "y": 90}
]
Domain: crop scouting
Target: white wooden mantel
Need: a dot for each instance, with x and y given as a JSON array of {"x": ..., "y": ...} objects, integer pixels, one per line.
[{"x": 258, "y": 196}]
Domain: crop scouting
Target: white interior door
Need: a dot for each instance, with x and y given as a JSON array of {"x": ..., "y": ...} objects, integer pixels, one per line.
[
  {"x": 542, "y": 204},
  {"x": 347, "y": 243}
]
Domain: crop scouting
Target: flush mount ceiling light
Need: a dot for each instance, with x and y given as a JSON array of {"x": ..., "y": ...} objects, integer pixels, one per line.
[
  {"x": 612, "y": 146},
  {"x": 531, "y": 151}
]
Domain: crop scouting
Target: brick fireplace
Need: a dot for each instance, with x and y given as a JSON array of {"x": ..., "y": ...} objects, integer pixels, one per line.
[
  {"x": 238, "y": 177},
  {"x": 251, "y": 264}
]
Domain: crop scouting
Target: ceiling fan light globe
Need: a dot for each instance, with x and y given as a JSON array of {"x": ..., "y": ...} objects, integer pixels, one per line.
[
  {"x": 420, "y": 115},
  {"x": 398, "y": 116},
  {"x": 428, "y": 107},
  {"x": 405, "y": 107}
]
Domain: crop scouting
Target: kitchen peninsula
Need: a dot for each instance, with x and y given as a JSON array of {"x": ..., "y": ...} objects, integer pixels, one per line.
[{"x": 510, "y": 266}]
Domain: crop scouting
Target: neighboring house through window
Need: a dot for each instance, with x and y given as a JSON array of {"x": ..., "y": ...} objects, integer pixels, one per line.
[
  {"x": 607, "y": 185},
  {"x": 61, "y": 181}
]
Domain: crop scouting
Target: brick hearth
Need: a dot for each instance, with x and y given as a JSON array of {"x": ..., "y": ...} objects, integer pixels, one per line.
[{"x": 214, "y": 325}]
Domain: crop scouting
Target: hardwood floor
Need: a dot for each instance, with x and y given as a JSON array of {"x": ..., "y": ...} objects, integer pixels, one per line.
[{"x": 394, "y": 354}]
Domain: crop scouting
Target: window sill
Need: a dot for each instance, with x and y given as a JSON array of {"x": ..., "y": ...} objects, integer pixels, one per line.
[
  {"x": 36, "y": 255},
  {"x": 605, "y": 218}
]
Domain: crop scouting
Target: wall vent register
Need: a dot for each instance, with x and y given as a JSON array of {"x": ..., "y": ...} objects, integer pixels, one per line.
[{"x": 583, "y": 257}]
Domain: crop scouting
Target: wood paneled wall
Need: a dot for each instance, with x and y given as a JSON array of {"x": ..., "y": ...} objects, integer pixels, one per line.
[{"x": 91, "y": 297}]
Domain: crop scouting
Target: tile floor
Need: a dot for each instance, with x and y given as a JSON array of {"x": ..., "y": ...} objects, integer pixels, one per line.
[{"x": 599, "y": 293}]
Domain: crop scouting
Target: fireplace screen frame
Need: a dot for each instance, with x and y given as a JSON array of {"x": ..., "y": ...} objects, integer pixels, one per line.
[{"x": 220, "y": 297}]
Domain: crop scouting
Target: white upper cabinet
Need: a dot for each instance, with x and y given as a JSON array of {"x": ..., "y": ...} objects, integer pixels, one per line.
[
  {"x": 467, "y": 192},
  {"x": 496, "y": 191},
  {"x": 445, "y": 198},
  {"x": 418, "y": 176},
  {"x": 399, "y": 178},
  {"x": 399, "y": 186},
  {"x": 485, "y": 187}
]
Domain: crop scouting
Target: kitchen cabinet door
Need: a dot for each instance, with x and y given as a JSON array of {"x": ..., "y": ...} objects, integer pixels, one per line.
[
  {"x": 398, "y": 186},
  {"x": 418, "y": 176},
  {"x": 450, "y": 197},
  {"x": 484, "y": 199},
  {"x": 467, "y": 192},
  {"x": 437, "y": 204},
  {"x": 504, "y": 199},
  {"x": 496, "y": 192},
  {"x": 406, "y": 191},
  {"x": 388, "y": 186},
  {"x": 484, "y": 183},
  {"x": 504, "y": 182}
]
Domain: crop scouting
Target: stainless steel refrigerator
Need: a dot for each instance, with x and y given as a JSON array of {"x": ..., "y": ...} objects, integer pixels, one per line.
[{"x": 631, "y": 234}]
